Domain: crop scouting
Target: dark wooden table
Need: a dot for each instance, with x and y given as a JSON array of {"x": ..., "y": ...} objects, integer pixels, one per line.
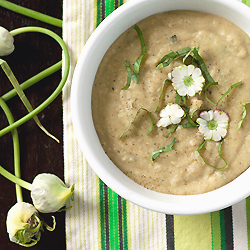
[{"x": 39, "y": 154}]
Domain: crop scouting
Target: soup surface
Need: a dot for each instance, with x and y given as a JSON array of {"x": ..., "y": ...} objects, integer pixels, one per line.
[{"x": 225, "y": 50}]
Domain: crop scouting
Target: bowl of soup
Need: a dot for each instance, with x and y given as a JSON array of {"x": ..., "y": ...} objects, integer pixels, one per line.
[{"x": 115, "y": 110}]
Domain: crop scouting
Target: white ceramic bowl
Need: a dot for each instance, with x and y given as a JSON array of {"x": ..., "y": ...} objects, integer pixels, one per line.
[{"x": 95, "y": 48}]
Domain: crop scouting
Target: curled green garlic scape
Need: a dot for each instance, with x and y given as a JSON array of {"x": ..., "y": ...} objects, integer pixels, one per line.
[{"x": 24, "y": 224}]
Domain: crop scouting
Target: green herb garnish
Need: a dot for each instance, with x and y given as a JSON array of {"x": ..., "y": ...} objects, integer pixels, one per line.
[
  {"x": 163, "y": 86},
  {"x": 135, "y": 76},
  {"x": 152, "y": 122},
  {"x": 171, "y": 57},
  {"x": 228, "y": 91},
  {"x": 137, "y": 64},
  {"x": 219, "y": 152},
  {"x": 177, "y": 98},
  {"x": 190, "y": 123},
  {"x": 172, "y": 130},
  {"x": 244, "y": 113},
  {"x": 129, "y": 75},
  {"x": 184, "y": 100},
  {"x": 201, "y": 64},
  {"x": 167, "y": 148}
]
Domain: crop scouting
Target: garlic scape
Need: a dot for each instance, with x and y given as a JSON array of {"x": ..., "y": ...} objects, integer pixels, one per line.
[
  {"x": 49, "y": 193},
  {"x": 23, "y": 224},
  {"x": 6, "y": 42}
]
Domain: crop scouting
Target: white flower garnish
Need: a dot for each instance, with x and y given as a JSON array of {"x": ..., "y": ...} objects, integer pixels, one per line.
[
  {"x": 187, "y": 80},
  {"x": 6, "y": 42},
  {"x": 171, "y": 114},
  {"x": 213, "y": 124}
]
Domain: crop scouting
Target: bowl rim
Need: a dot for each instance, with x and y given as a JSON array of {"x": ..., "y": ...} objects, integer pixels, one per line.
[{"x": 83, "y": 126}]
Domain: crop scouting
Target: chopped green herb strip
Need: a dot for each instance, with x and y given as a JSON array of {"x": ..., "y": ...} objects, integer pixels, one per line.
[
  {"x": 244, "y": 113},
  {"x": 135, "y": 76},
  {"x": 228, "y": 91},
  {"x": 167, "y": 56},
  {"x": 184, "y": 100},
  {"x": 219, "y": 152},
  {"x": 189, "y": 54},
  {"x": 129, "y": 74},
  {"x": 172, "y": 131},
  {"x": 172, "y": 56},
  {"x": 177, "y": 98},
  {"x": 206, "y": 89},
  {"x": 190, "y": 123},
  {"x": 202, "y": 64},
  {"x": 167, "y": 148},
  {"x": 163, "y": 86},
  {"x": 136, "y": 69},
  {"x": 138, "y": 30},
  {"x": 152, "y": 122},
  {"x": 183, "y": 51}
]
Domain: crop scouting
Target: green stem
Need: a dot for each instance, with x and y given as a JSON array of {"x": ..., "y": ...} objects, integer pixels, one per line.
[
  {"x": 15, "y": 179},
  {"x": 59, "y": 87},
  {"x": 31, "y": 13},
  {"x": 7, "y": 70},
  {"x": 33, "y": 80},
  {"x": 15, "y": 147},
  {"x": 16, "y": 151}
]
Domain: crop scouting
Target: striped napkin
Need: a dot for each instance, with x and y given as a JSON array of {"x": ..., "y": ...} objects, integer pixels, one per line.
[{"x": 99, "y": 218}]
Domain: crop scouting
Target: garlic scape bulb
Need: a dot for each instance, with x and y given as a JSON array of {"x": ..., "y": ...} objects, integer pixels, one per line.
[
  {"x": 6, "y": 42},
  {"x": 49, "y": 193},
  {"x": 23, "y": 225}
]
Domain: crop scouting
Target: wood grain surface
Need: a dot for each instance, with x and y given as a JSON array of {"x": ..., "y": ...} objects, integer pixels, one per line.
[{"x": 33, "y": 53}]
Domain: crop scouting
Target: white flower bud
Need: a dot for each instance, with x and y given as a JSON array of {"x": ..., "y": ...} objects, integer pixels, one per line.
[
  {"x": 49, "y": 193},
  {"x": 171, "y": 114},
  {"x": 19, "y": 218},
  {"x": 6, "y": 42}
]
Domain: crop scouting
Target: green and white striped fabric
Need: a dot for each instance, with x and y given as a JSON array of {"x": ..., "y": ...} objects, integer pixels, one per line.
[{"x": 99, "y": 218}]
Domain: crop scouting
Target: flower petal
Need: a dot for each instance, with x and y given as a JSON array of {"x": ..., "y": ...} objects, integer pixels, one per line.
[
  {"x": 202, "y": 122},
  {"x": 208, "y": 135},
  {"x": 216, "y": 136},
  {"x": 163, "y": 122},
  {"x": 184, "y": 71},
  {"x": 203, "y": 130},
  {"x": 196, "y": 73},
  {"x": 179, "y": 112},
  {"x": 190, "y": 69},
  {"x": 211, "y": 115},
  {"x": 190, "y": 91},
  {"x": 175, "y": 120},
  {"x": 205, "y": 115},
  {"x": 222, "y": 131},
  {"x": 199, "y": 79},
  {"x": 182, "y": 91},
  {"x": 177, "y": 72}
]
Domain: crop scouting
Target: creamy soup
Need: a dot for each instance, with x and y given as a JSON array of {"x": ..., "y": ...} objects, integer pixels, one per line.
[{"x": 225, "y": 50}]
